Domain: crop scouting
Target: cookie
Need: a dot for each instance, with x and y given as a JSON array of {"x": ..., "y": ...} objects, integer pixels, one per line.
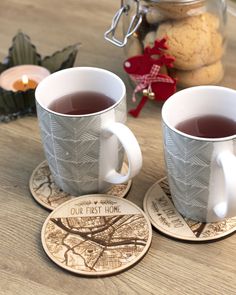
[
  {"x": 212, "y": 20},
  {"x": 181, "y": 10},
  {"x": 193, "y": 41},
  {"x": 206, "y": 75}
]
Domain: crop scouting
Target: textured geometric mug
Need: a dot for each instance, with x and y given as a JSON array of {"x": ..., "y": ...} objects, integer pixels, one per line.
[
  {"x": 85, "y": 152},
  {"x": 201, "y": 171}
]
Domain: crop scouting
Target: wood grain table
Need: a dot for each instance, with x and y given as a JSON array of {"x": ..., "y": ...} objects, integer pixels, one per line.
[{"x": 170, "y": 267}]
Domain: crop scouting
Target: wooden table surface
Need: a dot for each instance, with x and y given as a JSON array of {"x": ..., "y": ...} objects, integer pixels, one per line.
[{"x": 170, "y": 267}]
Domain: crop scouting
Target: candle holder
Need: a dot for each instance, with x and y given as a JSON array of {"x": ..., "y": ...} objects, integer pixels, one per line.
[{"x": 14, "y": 104}]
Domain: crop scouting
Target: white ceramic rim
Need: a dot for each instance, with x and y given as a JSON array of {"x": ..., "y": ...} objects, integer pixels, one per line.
[
  {"x": 189, "y": 90},
  {"x": 76, "y": 69}
]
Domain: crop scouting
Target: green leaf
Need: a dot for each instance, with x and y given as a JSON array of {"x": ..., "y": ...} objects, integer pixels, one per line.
[
  {"x": 23, "y": 51},
  {"x": 62, "y": 59},
  {"x": 3, "y": 67}
]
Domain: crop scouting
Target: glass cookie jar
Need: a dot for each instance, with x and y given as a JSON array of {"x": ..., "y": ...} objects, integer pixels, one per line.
[{"x": 194, "y": 31}]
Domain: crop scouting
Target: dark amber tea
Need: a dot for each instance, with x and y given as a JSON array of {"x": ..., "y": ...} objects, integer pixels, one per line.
[
  {"x": 81, "y": 103},
  {"x": 208, "y": 126}
]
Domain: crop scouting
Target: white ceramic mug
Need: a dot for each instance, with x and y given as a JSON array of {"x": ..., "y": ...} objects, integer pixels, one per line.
[
  {"x": 201, "y": 171},
  {"x": 85, "y": 152}
]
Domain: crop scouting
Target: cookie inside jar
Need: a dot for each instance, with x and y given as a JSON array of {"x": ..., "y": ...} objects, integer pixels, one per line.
[{"x": 194, "y": 31}]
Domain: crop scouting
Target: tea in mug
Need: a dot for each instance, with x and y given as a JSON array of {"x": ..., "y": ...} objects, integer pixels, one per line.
[
  {"x": 81, "y": 103},
  {"x": 208, "y": 126}
]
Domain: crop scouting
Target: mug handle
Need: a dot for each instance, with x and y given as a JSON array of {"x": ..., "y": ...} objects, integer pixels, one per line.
[
  {"x": 227, "y": 161},
  {"x": 132, "y": 149}
]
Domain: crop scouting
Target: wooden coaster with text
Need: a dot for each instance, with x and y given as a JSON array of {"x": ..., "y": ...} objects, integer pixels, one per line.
[
  {"x": 96, "y": 235},
  {"x": 161, "y": 211},
  {"x": 49, "y": 195}
]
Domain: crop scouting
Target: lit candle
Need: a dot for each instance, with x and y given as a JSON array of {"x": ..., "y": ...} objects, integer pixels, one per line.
[
  {"x": 22, "y": 78},
  {"x": 24, "y": 84}
]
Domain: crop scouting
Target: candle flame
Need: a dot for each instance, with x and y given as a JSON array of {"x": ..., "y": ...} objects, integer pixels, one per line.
[{"x": 25, "y": 79}]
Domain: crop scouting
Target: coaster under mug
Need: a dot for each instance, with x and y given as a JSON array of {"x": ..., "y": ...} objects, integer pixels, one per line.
[
  {"x": 96, "y": 235},
  {"x": 49, "y": 195},
  {"x": 164, "y": 216}
]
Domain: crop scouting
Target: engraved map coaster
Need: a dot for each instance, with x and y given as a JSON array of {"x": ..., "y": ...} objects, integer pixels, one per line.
[
  {"x": 96, "y": 235},
  {"x": 161, "y": 211},
  {"x": 49, "y": 195}
]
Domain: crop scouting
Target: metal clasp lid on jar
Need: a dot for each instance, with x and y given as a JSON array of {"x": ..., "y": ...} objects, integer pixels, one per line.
[
  {"x": 135, "y": 20},
  {"x": 134, "y": 24}
]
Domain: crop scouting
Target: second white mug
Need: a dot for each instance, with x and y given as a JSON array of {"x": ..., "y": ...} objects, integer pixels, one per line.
[{"x": 201, "y": 171}]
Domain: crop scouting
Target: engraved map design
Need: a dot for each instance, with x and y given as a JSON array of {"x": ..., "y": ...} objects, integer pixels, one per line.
[
  {"x": 202, "y": 229},
  {"x": 164, "y": 216},
  {"x": 98, "y": 243},
  {"x": 49, "y": 195}
]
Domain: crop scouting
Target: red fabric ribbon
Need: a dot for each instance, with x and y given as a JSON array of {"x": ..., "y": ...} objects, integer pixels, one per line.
[
  {"x": 145, "y": 81},
  {"x": 135, "y": 112}
]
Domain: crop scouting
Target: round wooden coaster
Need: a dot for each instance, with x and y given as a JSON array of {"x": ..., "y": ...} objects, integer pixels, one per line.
[
  {"x": 160, "y": 209},
  {"x": 96, "y": 235},
  {"x": 49, "y": 195}
]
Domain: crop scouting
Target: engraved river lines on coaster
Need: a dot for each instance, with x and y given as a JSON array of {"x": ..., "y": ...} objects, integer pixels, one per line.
[
  {"x": 164, "y": 217},
  {"x": 49, "y": 195},
  {"x": 96, "y": 235}
]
